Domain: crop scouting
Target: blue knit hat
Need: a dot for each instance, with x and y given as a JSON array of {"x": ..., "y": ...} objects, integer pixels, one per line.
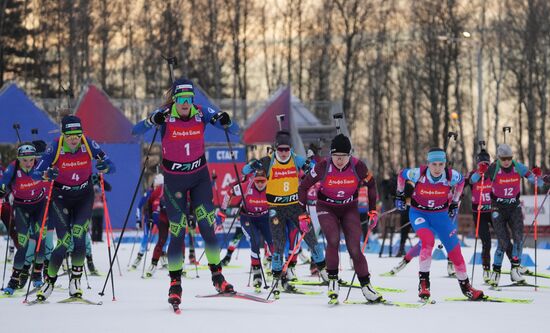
[
  {"x": 437, "y": 155},
  {"x": 183, "y": 87}
]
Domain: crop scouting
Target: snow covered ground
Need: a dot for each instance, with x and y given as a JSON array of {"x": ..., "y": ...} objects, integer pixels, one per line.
[{"x": 141, "y": 305}]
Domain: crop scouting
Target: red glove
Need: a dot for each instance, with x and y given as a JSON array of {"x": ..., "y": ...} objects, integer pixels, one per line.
[
  {"x": 482, "y": 168},
  {"x": 537, "y": 171},
  {"x": 373, "y": 219},
  {"x": 305, "y": 221}
]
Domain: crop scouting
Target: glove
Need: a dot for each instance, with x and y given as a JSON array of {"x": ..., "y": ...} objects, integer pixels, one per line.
[
  {"x": 138, "y": 223},
  {"x": 546, "y": 179},
  {"x": 373, "y": 219},
  {"x": 95, "y": 179},
  {"x": 453, "y": 209},
  {"x": 305, "y": 221},
  {"x": 400, "y": 201},
  {"x": 537, "y": 172},
  {"x": 51, "y": 173},
  {"x": 102, "y": 167},
  {"x": 255, "y": 164},
  {"x": 157, "y": 118},
  {"x": 222, "y": 216},
  {"x": 482, "y": 168},
  {"x": 222, "y": 117},
  {"x": 3, "y": 190},
  {"x": 150, "y": 223}
]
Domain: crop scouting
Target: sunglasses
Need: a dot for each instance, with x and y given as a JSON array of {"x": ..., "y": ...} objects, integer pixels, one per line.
[
  {"x": 73, "y": 136},
  {"x": 260, "y": 181},
  {"x": 184, "y": 100},
  {"x": 505, "y": 159},
  {"x": 283, "y": 149}
]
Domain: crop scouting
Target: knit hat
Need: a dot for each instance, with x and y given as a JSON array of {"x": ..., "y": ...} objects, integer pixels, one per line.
[
  {"x": 26, "y": 150},
  {"x": 436, "y": 155},
  {"x": 260, "y": 175},
  {"x": 340, "y": 144},
  {"x": 483, "y": 156},
  {"x": 183, "y": 87},
  {"x": 71, "y": 125},
  {"x": 504, "y": 150},
  {"x": 282, "y": 138}
]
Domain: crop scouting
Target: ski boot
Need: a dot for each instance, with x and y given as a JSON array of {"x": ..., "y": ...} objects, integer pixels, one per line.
[
  {"x": 46, "y": 289},
  {"x": 469, "y": 291},
  {"x": 221, "y": 285},
  {"x": 285, "y": 284},
  {"x": 174, "y": 293},
  {"x": 313, "y": 269},
  {"x": 36, "y": 276},
  {"x": 486, "y": 274},
  {"x": 276, "y": 284},
  {"x": 24, "y": 276},
  {"x": 137, "y": 261},
  {"x": 74, "y": 282},
  {"x": 13, "y": 283},
  {"x": 515, "y": 273},
  {"x": 227, "y": 259},
  {"x": 450, "y": 269},
  {"x": 495, "y": 276},
  {"x": 333, "y": 288},
  {"x": 424, "y": 286},
  {"x": 291, "y": 272},
  {"x": 152, "y": 268},
  {"x": 368, "y": 291},
  {"x": 322, "y": 267},
  {"x": 257, "y": 278},
  {"x": 91, "y": 266},
  {"x": 524, "y": 270},
  {"x": 402, "y": 264}
]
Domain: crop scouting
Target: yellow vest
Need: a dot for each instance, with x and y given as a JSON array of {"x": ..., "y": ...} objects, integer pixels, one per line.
[{"x": 282, "y": 184}]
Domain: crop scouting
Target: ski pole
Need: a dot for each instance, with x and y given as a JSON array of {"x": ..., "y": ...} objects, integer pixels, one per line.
[
  {"x": 477, "y": 225},
  {"x": 537, "y": 213},
  {"x": 109, "y": 231},
  {"x": 365, "y": 242},
  {"x": 86, "y": 276},
  {"x": 7, "y": 242},
  {"x": 149, "y": 237},
  {"x": 504, "y": 130},
  {"x": 39, "y": 242},
  {"x": 102, "y": 292},
  {"x": 17, "y": 127},
  {"x": 536, "y": 227},
  {"x": 133, "y": 247}
]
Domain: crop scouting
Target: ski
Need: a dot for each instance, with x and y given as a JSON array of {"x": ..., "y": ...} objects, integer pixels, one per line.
[
  {"x": 36, "y": 301},
  {"x": 390, "y": 273},
  {"x": 302, "y": 292},
  {"x": 345, "y": 284},
  {"x": 387, "y": 303},
  {"x": 237, "y": 295},
  {"x": 512, "y": 285},
  {"x": 426, "y": 301},
  {"x": 529, "y": 273},
  {"x": 491, "y": 299},
  {"x": 19, "y": 293},
  {"x": 206, "y": 267},
  {"x": 333, "y": 301},
  {"x": 80, "y": 300}
]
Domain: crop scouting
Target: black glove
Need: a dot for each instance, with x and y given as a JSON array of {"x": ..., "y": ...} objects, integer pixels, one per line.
[
  {"x": 546, "y": 179},
  {"x": 95, "y": 179},
  {"x": 255, "y": 164},
  {"x": 138, "y": 223},
  {"x": 102, "y": 166},
  {"x": 222, "y": 117},
  {"x": 51, "y": 173},
  {"x": 40, "y": 146},
  {"x": 453, "y": 209},
  {"x": 157, "y": 118},
  {"x": 3, "y": 190},
  {"x": 400, "y": 201}
]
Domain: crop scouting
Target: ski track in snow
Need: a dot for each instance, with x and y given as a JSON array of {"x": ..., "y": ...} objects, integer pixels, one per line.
[{"x": 141, "y": 305}]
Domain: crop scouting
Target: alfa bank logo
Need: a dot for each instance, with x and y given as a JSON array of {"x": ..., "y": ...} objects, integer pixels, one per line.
[
  {"x": 73, "y": 165},
  {"x": 192, "y": 133},
  {"x": 433, "y": 193},
  {"x": 341, "y": 182},
  {"x": 284, "y": 173}
]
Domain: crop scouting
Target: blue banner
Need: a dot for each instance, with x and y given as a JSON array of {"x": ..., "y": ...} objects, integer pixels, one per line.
[{"x": 223, "y": 155}]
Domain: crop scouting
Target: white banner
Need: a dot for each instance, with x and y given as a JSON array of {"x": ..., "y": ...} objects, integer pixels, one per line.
[{"x": 528, "y": 206}]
